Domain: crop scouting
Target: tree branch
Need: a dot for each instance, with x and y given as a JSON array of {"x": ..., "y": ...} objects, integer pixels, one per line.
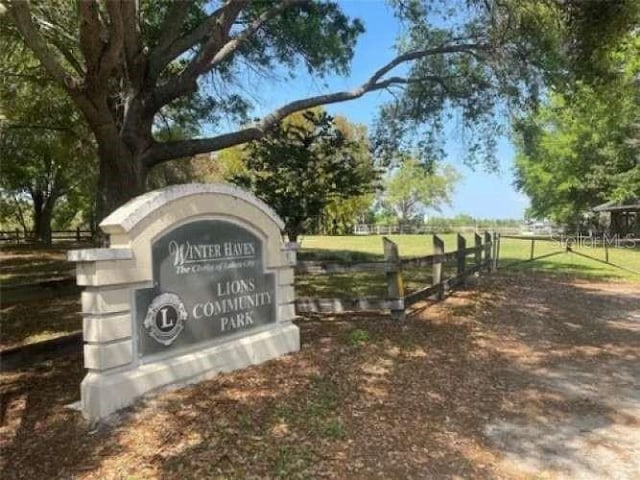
[
  {"x": 218, "y": 48},
  {"x": 469, "y": 48},
  {"x": 115, "y": 45},
  {"x": 21, "y": 13},
  {"x": 217, "y": 39},
  {"x": 73, "y": 61},
  {"x": 232, "y": 45},
  {"x": 160, "y": 152},
  {"x": 171, "y": 46},
  {"x": 170, "y": 29},
  {"x": 91, "y": 33},
  {"x": 134, "y": 55}
]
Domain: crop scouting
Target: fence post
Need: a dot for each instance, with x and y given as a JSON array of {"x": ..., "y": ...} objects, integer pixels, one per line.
[
  {"x": 461, "y": 254},
  {"x": 488, "y": 248},
  {"x": 533, "y": 246},
  {"x": 478, "y": 253},
  {"x": 78, "y": 234},
  {"x": 496, "y": 255},
  {"x": 438, "y": 249},
  {"x": 395, "y": 288}
]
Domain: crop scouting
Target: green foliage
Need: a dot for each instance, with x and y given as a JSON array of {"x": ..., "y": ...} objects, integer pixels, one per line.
[
  {"x": 516, "y": 49},
  {"x": 412, "y": 187},
  {"x": 48, "y": 160},
  {"x": 181, "y": 170},
  {"x": 444, "y": 224},
  {"x": 596, "y": 30},
  {"x": 358, "y": 337},
  {"x": 136, "y": 69},
  {"x": 333, "y": 428},
  {"x": 341, "y": 214},
  {"x": 140, "y": 68},
  {"x": 580, "y": 148},
  {"x": 303, "y": 165},
  {"x": 526, "y": 48}
]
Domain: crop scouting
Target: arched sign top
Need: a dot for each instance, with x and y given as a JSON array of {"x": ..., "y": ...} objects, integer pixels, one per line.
[{"x": 125, "y": 218}]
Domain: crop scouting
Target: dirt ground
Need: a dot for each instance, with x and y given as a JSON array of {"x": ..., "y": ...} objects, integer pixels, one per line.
[{"x": 517, "y": 377}]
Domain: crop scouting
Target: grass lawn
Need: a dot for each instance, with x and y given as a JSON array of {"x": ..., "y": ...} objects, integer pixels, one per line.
[
  {"x": 369, "y": 247},
  {"x": 360, "y": 248},
  {"x": 573, "y": 264}
]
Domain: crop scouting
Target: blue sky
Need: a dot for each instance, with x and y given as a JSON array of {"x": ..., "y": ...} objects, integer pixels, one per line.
[{"x": 478, "y": 194}]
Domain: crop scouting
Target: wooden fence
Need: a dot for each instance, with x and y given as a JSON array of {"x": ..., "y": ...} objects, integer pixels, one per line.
[
  {"x": 400, "y": 229},
  {"x": 569, "y": 244},
  {"x": 26, "y": 236},
  {"x": 397, "y": 300}
]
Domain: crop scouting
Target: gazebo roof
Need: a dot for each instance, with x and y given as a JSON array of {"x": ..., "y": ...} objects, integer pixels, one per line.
[{"x": 629, "y": 205}]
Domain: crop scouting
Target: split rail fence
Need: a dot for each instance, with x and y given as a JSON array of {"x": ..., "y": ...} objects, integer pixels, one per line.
[
  {"x": 26, "y": 236},
  {"x": 468, "y": 260},
  {"x": 568, "y": 244}
]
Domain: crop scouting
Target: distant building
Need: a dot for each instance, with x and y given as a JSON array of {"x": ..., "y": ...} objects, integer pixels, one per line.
[
  {"x": 621, "y": 218},
  {"x": 539, "y": 227}
]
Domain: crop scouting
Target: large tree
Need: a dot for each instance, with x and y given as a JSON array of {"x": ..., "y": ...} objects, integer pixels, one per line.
[
  {"x": 580, "y": 148},
  {"x": 304, "y": 164},
  {"x": 125, "y": 64},
  {"x": 48, "y": 156},
  {"x": 412, "y": 188}
]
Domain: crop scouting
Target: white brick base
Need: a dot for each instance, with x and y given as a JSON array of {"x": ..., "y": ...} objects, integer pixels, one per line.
[{"x": 104, "y": 393}]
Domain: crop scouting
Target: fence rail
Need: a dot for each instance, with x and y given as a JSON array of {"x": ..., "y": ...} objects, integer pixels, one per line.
[
  {"x": 27, "y": 236},
  {"x": 567, "y": 244},
  {"x": 484, "y": 252},
  {"x": 392, "y": 229},
  {"x": 326, "y": 268}
]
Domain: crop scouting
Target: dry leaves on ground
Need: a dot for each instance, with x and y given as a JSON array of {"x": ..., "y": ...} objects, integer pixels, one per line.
[{"x": 514, "y": 378}]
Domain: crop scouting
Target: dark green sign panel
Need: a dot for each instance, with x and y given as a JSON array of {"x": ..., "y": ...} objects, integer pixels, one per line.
[{"x": 209, "y": 282}]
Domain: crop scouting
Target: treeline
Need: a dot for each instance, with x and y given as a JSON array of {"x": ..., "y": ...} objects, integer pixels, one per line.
[{"x": 373, "y": 221}]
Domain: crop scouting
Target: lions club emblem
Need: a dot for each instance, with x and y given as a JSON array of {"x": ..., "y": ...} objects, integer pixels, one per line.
[{"x": 165, "y": 318}]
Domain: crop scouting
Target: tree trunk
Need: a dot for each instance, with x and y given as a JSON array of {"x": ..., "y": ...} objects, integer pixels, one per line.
[
  {"x": 122, "y": 175},
  {"x": 37, "y": 198},
  {"x": 293, "y": 231},
  {"x": 293, "y": 236},
  {"x": 43, "y": 227},
  {"x": 42, "y": 214}
]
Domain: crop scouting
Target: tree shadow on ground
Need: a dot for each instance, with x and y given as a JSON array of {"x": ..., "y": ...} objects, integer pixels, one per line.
[
  {"x": 40, "y": 437},
  {"x": 574, "y": 350},
  {"x": 36, "y": 318},
  {"x": 517, "y": 374}
]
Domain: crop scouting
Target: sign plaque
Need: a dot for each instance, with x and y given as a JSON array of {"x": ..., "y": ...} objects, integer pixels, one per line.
[{"x": 209, "y": 282}]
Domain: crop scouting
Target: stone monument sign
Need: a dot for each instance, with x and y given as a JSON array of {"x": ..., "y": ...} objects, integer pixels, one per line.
[{"x": 196, "y": 281}]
